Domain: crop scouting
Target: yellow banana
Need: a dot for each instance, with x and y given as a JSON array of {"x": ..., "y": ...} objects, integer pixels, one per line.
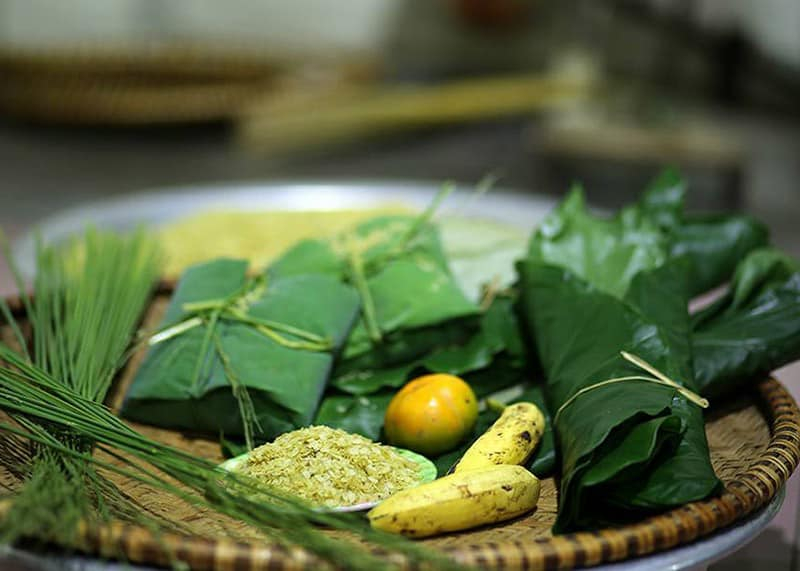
[
  {"x": 510, "y": 440},
  {"x": 458, "y": 501}
]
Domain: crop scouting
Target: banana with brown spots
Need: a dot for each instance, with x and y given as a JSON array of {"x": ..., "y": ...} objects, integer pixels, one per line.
[
  {"x": 458, "y": 501},
  {"x": 510, "y": 440}
]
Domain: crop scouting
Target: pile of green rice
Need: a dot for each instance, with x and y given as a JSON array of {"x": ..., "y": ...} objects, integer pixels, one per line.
[{"x": 330, "y": 467}]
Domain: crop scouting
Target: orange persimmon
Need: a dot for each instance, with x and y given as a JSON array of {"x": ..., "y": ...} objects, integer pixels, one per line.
[{"x": 431, "y": 414}]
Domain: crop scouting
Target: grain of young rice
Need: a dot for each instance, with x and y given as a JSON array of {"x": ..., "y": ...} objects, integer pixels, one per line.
[{"x": 330, "y": 467}]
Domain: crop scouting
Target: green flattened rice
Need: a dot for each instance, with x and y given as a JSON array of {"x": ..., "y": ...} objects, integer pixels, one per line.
[{"x": 330, "y": 467}]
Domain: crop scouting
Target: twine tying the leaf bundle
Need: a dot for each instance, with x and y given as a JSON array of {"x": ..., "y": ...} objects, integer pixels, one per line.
[
  {"x": 658, "y": 378},
  {"x": 359, "y": 269},
  {"x": 234, "y": 308}
]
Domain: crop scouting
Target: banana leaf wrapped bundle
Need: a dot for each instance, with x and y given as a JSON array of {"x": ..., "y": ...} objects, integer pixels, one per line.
[
  {"x": 410, "y": 301},
  {"x": 239, "y": 355},
  {"x": 606, "y": 303},
  {"x": 630, "y": 442},
  {"x": 491, "y": 357}
]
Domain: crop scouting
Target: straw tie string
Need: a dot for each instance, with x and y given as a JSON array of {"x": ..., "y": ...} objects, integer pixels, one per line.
[
  {"x": 234, "y": 308},
  {"x": 658, "y": 378}
]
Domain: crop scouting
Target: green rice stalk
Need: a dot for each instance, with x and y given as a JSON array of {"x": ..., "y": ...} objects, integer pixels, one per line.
[
  {"x": 82, "y": 319},
  {"x": 5, "y": 247},
  {"x": 246, "y": 409},
  {"x": 359, "y": 281}
]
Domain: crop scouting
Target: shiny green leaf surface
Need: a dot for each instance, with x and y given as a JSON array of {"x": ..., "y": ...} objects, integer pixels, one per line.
[{"x": 754, "y": 328}]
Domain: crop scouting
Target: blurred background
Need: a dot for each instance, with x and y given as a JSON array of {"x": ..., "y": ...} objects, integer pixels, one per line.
[{"x": 99, "y": 98}]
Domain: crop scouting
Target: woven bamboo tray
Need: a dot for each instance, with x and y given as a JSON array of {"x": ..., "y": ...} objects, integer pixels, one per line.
[
  {"x": 755, "y": 447},
  {"x": 143, "y": 84},
  {"x": 137, "y": 84}
]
